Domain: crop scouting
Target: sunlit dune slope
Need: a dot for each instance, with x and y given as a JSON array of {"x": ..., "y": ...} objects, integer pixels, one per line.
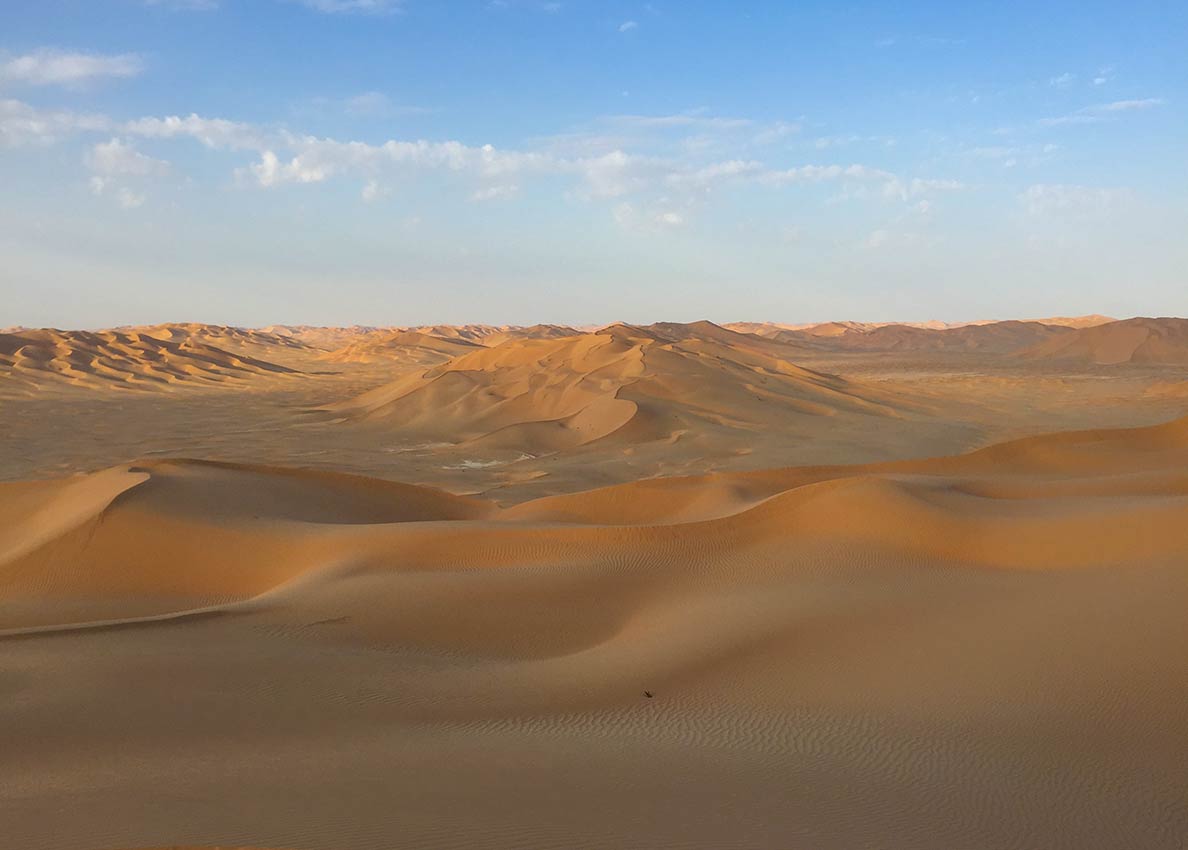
[
  {"x": 636, "y": 383},
  {"x": 128, "y": 359},
  {"x": 1141, "y": 340}
]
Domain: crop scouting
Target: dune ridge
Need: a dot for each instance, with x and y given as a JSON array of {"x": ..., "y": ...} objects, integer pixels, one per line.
[{"x": 636, "y": 383}]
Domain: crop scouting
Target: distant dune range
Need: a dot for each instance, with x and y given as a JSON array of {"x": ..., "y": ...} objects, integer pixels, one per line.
[
  {"x": 191, "y": 354},
  {"x": 133, "y": 359},
  {"x": 629, "y": 383},
  {"x": 984, "y": 650}
]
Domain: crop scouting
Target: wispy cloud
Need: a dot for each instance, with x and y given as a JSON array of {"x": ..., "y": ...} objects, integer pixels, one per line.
[
  {"x": 48, "y": 67},
  {"x": 1101, "y": 112},
  {"x": 1062, "y": 81},
  {"x": 22, "y": 124},
  {"x": 628, "y": 26}
]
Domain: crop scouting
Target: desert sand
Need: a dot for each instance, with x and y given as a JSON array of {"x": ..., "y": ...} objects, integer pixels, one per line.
[{"x": 634, "y": 586}]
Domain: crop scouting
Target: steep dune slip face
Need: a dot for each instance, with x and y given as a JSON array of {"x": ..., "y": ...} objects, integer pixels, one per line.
[
  {"x": 627, "y": 383},
  {"x": 120, "y": 359},
  {"x": 978, "y": 651}
]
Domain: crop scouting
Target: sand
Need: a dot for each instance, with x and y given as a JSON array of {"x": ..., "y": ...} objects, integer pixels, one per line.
[{"x": 924, "y": 649}]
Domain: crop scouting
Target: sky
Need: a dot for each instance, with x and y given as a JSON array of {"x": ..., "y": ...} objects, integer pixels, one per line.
[{"x": 399, "y": 162}]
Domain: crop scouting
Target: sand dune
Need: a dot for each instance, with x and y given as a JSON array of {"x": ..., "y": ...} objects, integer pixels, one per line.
[
  {"x": 636, "y": 383},
  {"x": 131, "y": 359},
  {"x": 977, "y": 651},
  {"x": 1142, "y": 340},
  {"x": 401, "y": 348}
]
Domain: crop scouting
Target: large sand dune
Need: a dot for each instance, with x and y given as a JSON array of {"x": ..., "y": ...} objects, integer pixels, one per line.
[
  {"x": 633, "y": 383},
  {"x": 977, "y": 651}
]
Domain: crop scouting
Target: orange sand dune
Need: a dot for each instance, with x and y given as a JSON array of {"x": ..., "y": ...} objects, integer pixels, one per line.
[
  {"x": 977, "y": 651},
  {"x": 131, "y": 359},
  {"x": 1142, "y": 340},
  {"x": 637, "y": 384}
]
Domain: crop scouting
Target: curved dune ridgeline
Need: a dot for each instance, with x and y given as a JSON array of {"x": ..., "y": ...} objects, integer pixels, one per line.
[{"x": 975, "y": 651}]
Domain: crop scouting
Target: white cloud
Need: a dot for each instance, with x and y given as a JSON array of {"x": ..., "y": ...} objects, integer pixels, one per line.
[
  {"x": 628, "y": 26},
  {"x": 360, "y": 7},
  {"x": 270, "y": 171},
  {"x": 212, "y": 132},
  {"x": 1062, "y": 81},
  {"x": 47, "y": 67},
  {"x": 22, "y": 124},
  {"x": 118, "y": 157}
]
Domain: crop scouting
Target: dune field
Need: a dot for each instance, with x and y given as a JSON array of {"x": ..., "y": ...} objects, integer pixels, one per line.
[{"x": 673, "y": 586}]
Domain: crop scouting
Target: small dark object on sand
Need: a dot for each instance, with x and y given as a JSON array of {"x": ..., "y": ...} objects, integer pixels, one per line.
[{"x": 648, "y": 694}]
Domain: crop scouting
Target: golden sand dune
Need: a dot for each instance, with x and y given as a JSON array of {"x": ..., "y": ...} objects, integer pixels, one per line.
[
  {"x": 638, "y": 384},
  {"x": 401, "y": 348},
  {"x": 127, "y": 359},
  {"x": 1142, "y": 340},
  {"x": 979, "y": 651}
]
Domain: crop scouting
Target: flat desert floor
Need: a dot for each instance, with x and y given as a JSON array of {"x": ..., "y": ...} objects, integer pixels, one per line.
[{"x": 672, "y": 587}]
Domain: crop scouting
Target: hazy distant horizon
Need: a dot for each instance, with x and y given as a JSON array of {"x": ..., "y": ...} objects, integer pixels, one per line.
[{"x": 584, "y": 326}]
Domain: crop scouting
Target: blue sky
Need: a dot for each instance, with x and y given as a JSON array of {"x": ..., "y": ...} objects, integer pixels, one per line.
[{"x": 380, "y": 162}]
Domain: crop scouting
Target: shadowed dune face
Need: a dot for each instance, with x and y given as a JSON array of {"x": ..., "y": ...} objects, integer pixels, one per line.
[
  {"x": 635, "y": 384},
  {"x": 1151, "y": 341},
  {"x": 121, "y": 359},
  {"x": 972, "y": 651}
]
